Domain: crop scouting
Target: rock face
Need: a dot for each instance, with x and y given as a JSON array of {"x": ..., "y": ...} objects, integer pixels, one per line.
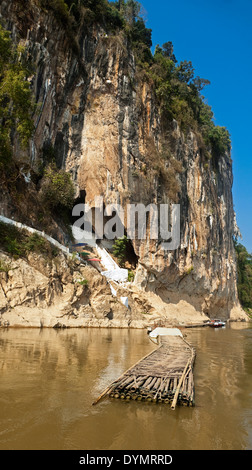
[
  {"x": 100, "y": 114},
  {"x": 39, "y": 293},
  {"x": 62, "y": 293}
]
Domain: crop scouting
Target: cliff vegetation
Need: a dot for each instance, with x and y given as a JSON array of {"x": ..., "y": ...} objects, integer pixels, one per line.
[{"x": 244, "y": 263}]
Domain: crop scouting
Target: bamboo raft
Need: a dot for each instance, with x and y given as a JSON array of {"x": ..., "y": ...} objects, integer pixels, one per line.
[{"x": 163, "y": 376}]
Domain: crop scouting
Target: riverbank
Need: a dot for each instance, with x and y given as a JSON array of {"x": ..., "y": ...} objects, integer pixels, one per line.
[
  {"x": 46, "y": 287},
  {"x": 42, "y": 284},
  {"x": 56, "y": 292}
]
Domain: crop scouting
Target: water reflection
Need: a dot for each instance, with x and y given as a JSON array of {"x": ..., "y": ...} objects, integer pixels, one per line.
[{"x": 49, "y": 380}]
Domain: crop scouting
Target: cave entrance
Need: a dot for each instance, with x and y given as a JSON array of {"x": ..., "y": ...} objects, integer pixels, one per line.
[
  {"x": 131, "y": 255},
  {"x": 99, "y": 221}
]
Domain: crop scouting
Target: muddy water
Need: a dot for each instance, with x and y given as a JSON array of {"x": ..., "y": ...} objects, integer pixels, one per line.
[{"x": 49, "y": 379}]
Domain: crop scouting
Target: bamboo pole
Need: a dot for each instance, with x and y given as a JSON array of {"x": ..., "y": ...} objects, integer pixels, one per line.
[
  {"x": 149, "y": 397},
  {"x": 129, "y": 383},
  {"x": 174, "y": 402},
  {"x": 147, "y": 382},
  {"x": 149, "y": 387},
  {"x": 138, "y": 383},
  {"x": 175, "y": 383},
  {"x": 124, "y": 383},
  {"x": 167, "y": 385},
  {"x": 163, "y": 383},
  {"x": 106, "y": 392},
  {"x": 175, "y": 399},
  {"x": 190, "y": 385},
  {"x": 146, "y": 386},
  {"x": 157, "y": 384}
]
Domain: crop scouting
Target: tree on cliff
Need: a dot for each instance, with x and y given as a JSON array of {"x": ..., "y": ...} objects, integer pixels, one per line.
[
  {"x": 132, "y": 10},
  {"x": 57, "y": 190},
  {"x": 168, "y": 50},
  {"x": 244, "y": 267}
]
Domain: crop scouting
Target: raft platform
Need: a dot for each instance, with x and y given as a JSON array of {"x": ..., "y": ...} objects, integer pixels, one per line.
[{"x": 163, "y": 376}]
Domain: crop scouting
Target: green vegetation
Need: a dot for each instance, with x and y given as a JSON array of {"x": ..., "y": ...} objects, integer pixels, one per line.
[
  {"x": 4, "y": 267},
  {"x": 59, "y": 7},
  {"x": 131, "y": 276},
  {"x": 244, "y": 266},
  {"x": 189, "y": 270},
  {"x": 83, "y": 282},
  {"x": 19, "y": 243},
  {"x": 113, "y": 16},
  {"x": 16, "y": 103},
  {"x": 70, "y": 12},
  {"x": 120, "y": 250},
  {"x": 57, "y": 189},
  {"x": 219, "y": 139},
  {"x": 179, "y": 94},
  {"x": 35, "y": 243}
]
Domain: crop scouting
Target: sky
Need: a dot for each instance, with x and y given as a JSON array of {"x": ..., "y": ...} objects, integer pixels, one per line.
[{"x": 216, "y": 36}]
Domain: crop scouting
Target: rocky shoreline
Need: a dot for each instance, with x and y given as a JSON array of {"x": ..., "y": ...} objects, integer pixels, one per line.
[{"x": 62, "y": 293}]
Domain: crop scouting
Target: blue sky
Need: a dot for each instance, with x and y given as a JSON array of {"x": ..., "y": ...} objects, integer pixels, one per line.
[{"x": 216, "y": 36}]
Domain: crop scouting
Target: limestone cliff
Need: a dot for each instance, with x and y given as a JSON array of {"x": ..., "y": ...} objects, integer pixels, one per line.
[
  {"x": 37, "y": 292},
  {"x": 100, "y": 114}
]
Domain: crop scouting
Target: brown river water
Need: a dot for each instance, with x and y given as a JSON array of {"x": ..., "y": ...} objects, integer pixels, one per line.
[{"x": 50, "y": 378}]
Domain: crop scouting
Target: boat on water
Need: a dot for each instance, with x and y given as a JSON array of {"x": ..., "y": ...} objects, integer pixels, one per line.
[
  {"x": 155, "y": 334},
  {"x": 216, "y": 323}
]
